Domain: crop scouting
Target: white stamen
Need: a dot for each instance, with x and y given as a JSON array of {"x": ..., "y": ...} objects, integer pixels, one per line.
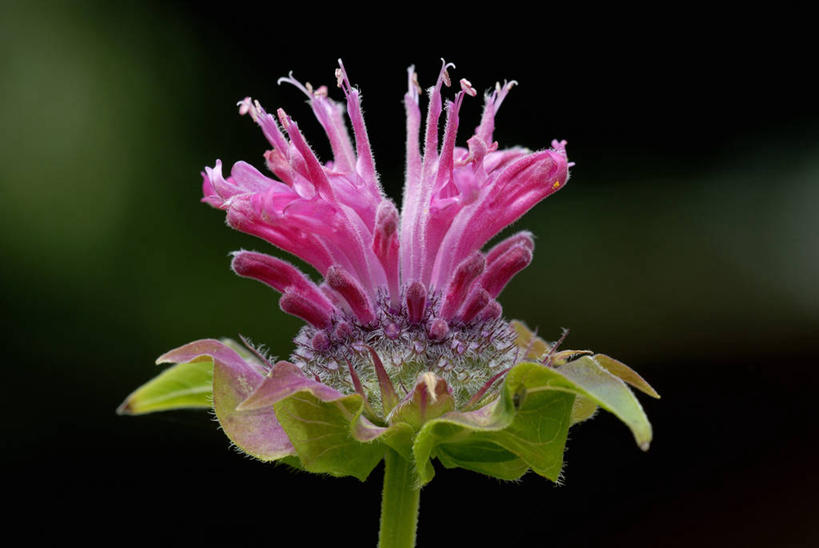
[{"x": 466, "y": 86}]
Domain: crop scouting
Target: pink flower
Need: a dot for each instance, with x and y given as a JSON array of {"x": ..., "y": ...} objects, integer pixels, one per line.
[
  {"x": 406, "y": 315},
  {"x": 405, "y": 354},
  {"x": 383, "y": 270}
]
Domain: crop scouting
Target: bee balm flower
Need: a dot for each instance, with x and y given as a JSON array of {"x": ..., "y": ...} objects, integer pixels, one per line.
[
  {"x": 412, "y": 287},
  {"x": 404, "y": 352}
]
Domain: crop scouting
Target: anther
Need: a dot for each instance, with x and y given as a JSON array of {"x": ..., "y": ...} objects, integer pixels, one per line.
[{"x": 467, "y": 88}]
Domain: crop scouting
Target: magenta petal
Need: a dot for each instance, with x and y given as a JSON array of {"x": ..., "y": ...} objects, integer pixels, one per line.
[{"x": 256, "y": 432}]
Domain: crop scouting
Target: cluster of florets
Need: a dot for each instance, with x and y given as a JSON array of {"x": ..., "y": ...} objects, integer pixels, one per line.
[{"x": 402, "y": 293}]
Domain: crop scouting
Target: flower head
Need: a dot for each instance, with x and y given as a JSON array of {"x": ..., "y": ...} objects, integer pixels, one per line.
[
  {"x": 404, "y": 346},
  {"x": 412, "y": 287}
]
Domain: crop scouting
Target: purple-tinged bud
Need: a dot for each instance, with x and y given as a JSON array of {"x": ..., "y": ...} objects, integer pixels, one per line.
[
  {"x": 416, "y": 301},
  {"x": 343, "y": 331},
  {"x": 502, "y": 270},
  {"x": 466, "y": 273},
  {"x": 476, "y": 302},
  {"x": 320, "y": 342},
  {"x": 280, "y": 275},
  {"x": 490, "y": 312},
  {"x": 347, "y": 286},
  {"x": 391, "y": 330},
  {"x": 437, "y": 329},
  {"x": 523, "y": 238},
  {"x": 298, "y": 305}
]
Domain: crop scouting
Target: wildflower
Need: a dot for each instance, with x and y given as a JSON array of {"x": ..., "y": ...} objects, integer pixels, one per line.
[
  {"x": 405, "y": 353},
  {"x": 411, "y": 291}
]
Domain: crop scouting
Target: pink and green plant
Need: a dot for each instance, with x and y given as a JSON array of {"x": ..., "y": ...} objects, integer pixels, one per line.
[{"x": 405, "y": 355}]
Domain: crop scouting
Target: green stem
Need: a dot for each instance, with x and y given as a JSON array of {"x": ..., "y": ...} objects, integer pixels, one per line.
[{"x": 399, "y": 504}]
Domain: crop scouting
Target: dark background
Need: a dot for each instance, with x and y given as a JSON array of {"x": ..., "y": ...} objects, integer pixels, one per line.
[{"x": 685, "y": 245}]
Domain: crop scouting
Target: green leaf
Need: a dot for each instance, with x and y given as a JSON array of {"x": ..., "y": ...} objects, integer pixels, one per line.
[
  {"x": 525, "y": 428},
  {"x": 186, "y": 385},
  {"x": 322, "y": 433},
  {"x": 587, "y": 378}
]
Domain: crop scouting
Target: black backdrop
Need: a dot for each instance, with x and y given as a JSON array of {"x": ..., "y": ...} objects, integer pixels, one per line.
[{"x": 685, "y": 245}]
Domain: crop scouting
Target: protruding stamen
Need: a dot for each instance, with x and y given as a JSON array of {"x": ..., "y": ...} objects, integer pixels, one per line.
[
  {"x": 467, "y": 88},
  {"x": 331, "y": 117},
  {"x": 523, "y": 238},
  {"x": 298, "y": 305},
  {"x": 385, "y": 245},
  {"x": 437, "y": 329},
  {"x": 476, "y": 302},
  {"x": 500, "y": 271},
  {"x": 316, "y": 171},
  {"x": 416, "y": 302},
  {"x": 365, "y": 164},
  {"x": 491, "y": 105},
  {"x": 341, "y": 281},
  {"x": 466, "y": 273},
  {"x": 246, "y": 107}
]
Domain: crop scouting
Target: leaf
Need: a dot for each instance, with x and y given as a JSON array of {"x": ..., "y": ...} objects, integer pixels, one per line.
[
  {"x": 528, "y": 424},
  {"x": 322, "y": 434},
  {"x": 256, "y": 432},
  {"x": 525, "y": 428},
  {"x": 619, "y": 369},
  {"x": 183, "y": 386},
  {"x": 587, "y": 378}
]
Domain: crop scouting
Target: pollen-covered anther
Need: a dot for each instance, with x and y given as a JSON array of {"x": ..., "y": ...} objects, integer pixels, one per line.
[
  {"x": 467, "y": 88},
  {"x": 437, "y": 329},
  {"x": 500, "y": 271},
  {"x": 341, "y": 281},
  {"x": 416, "y": 302},
  {"x": 466, "y": 273},
  {"x": 298, "y": 305}
]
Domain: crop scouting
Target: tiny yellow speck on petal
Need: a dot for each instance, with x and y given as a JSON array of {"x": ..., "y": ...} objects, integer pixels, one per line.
[{"x": 555, "y": 185}]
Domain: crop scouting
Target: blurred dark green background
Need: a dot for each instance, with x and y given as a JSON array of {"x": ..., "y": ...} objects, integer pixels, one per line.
[{"x": 685, "y": 245}]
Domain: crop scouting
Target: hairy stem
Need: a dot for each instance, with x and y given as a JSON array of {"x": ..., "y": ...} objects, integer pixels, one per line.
[{"x": 399, "y": 504}]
